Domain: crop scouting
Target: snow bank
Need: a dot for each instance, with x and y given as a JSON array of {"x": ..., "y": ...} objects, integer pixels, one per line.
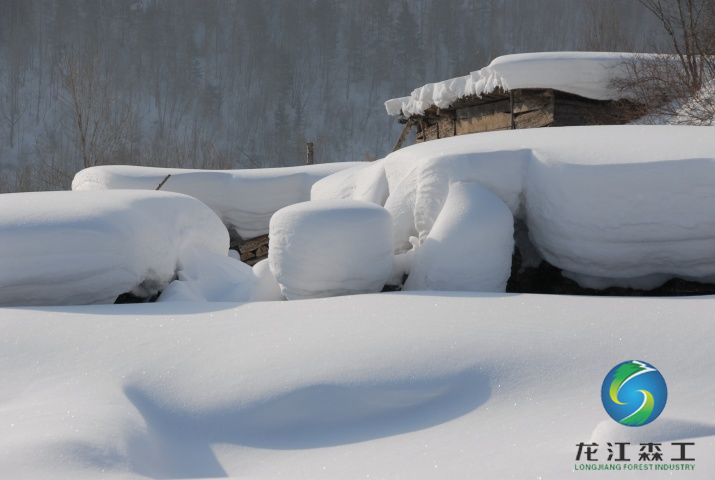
[
  {"x": 330, "y": 247},
  {"x": 588, "y": 74},
  {"x": 243, "y": 199},
  {"x": 612, "y": 205},
  {"x": 63, "y": 248},
  {"x": 370, "y": 386},
  {"x": 469, "y": 248}
]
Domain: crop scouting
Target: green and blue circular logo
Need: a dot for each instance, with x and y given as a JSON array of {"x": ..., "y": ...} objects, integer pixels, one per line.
[{"x": 634, "y": 393}]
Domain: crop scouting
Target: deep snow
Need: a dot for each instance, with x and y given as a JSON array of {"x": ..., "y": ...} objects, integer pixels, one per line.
[
  {"x": 68, "y": 248},
  {"x": 611, "y": 205},
  {"x": 244, "y": 199},
  {"x": 379, "y": 386}
]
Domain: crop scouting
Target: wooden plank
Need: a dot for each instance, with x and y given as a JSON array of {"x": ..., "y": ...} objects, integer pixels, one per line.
[
  {"x": 431, "y": 132},
  {"x": 534, "y": 119},
  {"x": 445, "y": 125},
  {"x": 485, "y": 123},
  {"x": 502, "y": 106},
  {"x": 253, "y": 244}
]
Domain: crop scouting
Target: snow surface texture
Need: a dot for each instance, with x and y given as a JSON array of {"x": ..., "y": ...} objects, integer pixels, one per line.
[
  {"x": 330, "y": 247},
  {"x": 611, "y": 205},
  {"x": 470, "y": 245},
  {"x": 588, "y": 74},
  {"x": 243, "y": 199},
  {"x": 64, "y": 248},
  {"x": 370, "y": 386}
]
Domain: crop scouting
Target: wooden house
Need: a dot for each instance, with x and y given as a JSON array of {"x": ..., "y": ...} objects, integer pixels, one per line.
[{"x": 548, "y": 90}]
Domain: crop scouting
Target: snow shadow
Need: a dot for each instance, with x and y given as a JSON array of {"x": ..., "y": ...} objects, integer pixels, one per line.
[
  {"x": 178, "y": 442},
  {"x": 139, "y": 309},
  {"x": 661, "y": 430}
]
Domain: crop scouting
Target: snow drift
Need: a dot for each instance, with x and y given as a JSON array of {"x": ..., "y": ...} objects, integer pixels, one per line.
[
  {"x": 243, "y": 199},
  {"x": 380, "y": 386},
  {"x": 330, "y": 247},
  {"x": 588, "y": 74},
  {"x": 65, "y": 248},
  {"x": 612, "y": 205}
]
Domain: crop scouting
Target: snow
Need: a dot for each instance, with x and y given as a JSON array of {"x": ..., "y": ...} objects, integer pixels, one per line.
[
  {"x": 209, "y": 277},
  {"x": 469, "y": 247},
  {"x": 65, "y": 248},
  {"x": 367, "y": 183},
  {"x": 588, "y": 74},
  {"x": 243, "y": 199},
  {"x": 330, "y": 247},
  {"x": 267, "y": 287},
  {"x": 370, "y": 386},
  {"x": 610, "y": 205}
]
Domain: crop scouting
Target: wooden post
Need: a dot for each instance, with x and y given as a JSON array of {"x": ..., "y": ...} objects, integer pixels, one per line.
[
  {"x": 309, "y": 153},
  {"x": 403, "y": 135},
  {"x": 511, "y": 110},
  {"x": 163, "y": 182}
]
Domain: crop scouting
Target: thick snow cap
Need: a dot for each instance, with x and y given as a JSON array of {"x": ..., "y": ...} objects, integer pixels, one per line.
[
  {"x": 588, "y": 74},
  {"x": 243, "y": 199},
  {"x": 331, "y": 247},
  {"x": 610, "y": 206},
  {"x": 69, "y": 248}
]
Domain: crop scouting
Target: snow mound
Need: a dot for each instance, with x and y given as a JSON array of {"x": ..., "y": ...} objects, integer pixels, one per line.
[
  {"x": 66, "y": 248},
  {"x": 588, "y": 74},
  {"x": 243, "y": 199},
  {"x": 330, "y": 247},
  {"x": 470, "y": 245},
  {"x": 611, "y": 205}
]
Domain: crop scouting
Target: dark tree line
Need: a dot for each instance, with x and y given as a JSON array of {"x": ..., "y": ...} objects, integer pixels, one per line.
[{"x": 221, "y": 84}]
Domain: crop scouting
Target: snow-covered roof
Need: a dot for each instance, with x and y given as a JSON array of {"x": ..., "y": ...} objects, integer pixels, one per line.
[{"x": 588, "y": 74}]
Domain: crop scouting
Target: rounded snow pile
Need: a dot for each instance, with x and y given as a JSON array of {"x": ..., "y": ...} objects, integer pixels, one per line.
[
  {"x": 243, "y": 199},
  {"x": 330, "y": 247},
  {"x": 470, "y": 245},
  {"x": 69, "y": 248}
]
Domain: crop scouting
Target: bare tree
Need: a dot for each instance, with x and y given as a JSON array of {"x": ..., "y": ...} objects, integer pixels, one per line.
[
  {"x": 688, "y": 23},
  {"x": 101, "y": 120},
  {"x": 677, "y": 85},
  {"x": 12, "y": 105}
]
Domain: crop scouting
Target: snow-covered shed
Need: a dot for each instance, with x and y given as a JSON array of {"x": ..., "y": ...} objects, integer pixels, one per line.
[{"x": 520, "y": 91}]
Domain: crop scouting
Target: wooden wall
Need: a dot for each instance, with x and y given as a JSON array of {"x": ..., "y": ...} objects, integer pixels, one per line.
[{"x": 525, "y": 108}]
